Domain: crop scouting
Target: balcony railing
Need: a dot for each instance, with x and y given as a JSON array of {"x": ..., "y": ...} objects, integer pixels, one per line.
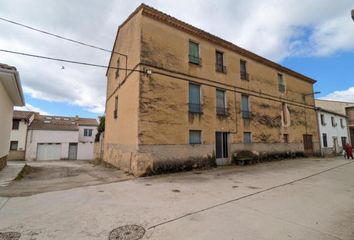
[
  {"x": 221, "y": 111},
  {"x": 246, "y": 114},
  {"x": 220, "y": 68},
  {"x": 245, "y": 76},
  {"x": 195, "y": 108},
  {"x": 195, "y": 60},
  {"x": 281, "y": 88}
]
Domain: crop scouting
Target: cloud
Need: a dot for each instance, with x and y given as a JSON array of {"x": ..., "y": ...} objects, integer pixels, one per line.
[
  {"x": 272, "y": 28},
  {"x": 29, "y": 107},
  {"x": 345, "y": 95}
]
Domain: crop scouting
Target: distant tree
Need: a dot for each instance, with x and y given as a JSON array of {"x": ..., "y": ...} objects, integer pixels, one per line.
[{"x": 100, "y": 128}]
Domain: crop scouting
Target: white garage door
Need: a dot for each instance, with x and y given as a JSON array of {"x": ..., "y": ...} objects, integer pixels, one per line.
[{"x": 48, "y": 151}]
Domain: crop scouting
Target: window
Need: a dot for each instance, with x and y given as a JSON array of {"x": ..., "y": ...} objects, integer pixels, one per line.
[
  {"x": 87, "y": 132},
  {"x": 115, "y": 113},
  {"x": 194, "y": 53},
  {"x": 286, "y": 138},
  {"x": 117, "y": 70},
  {"x": 334, "y": 124},
  {"x": 324, "y": 139},
  {"x": 13, "y": 145},
  {"x": 194, "y": 98},
  {"x": 344, "y": 141},
  {"x": 195, "y": 137},
  {"x": 281, "y": 85},
  {"x": 342, "y": 123},
  {"x": 220, "y": 102},
  {"x": 245, "y": 107},
  {"x": 15, "y": 124},
  {"x": 220, "y": 62},
  {"x": 247, "y": 138},
  {"x": 243, "y": 70},
  {"x": 323, "y": 123}
]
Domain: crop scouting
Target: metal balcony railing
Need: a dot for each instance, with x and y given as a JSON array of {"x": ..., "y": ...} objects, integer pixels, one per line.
[
  {"x": 221, "y": 111},
  {"x": 220, "y": 68},
  {"x": 245, "y": 76},
  {"x": 281, "y": 88},
  {"x": 195, "y": 60},
  {"x": 195, "y": 108},
  {"x": 246, "y": 114}
]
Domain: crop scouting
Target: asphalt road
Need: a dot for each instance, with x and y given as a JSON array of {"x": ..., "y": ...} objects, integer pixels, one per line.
[{"x": 310, "y": 199}]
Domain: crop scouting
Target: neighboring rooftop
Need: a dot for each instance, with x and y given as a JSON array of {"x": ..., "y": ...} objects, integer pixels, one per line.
[
  {"x": 63, "y": 123},
  {"x": 183, "y": 26},
  {"x": 8, "y": 67},
  {"x": 23, "y": 114},
  {"x": 333, "y": 106}
]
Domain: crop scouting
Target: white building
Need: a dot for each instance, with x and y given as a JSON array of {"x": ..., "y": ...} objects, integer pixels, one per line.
[
  {"x": 333, "y": 130},
  {"x": 21, "y": 121},
  {"x": 10, "y": 95},
  {"x": 57, "y": 137}
]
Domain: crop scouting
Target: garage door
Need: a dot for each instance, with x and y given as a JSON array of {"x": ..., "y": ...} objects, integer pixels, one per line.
[{"x": 48, "y": 151}]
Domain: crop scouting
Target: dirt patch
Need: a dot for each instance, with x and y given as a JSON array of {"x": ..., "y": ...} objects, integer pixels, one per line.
[{"x": 39, "y": 177}]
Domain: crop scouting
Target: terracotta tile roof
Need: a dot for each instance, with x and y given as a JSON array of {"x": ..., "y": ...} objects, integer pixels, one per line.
[
  {"x": 8, "y": 67},
  {"x": 22, "y": 114},
  {"x": 42, "y": 122},
  {"x": 54, "y": 123},
  {"x": 87, "y": 122}
]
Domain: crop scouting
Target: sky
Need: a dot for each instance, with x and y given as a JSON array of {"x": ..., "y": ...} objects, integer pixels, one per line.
[{"x": 315, "y": 38}]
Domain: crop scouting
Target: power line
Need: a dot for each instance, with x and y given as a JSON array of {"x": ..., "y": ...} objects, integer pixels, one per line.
[
  {"x": 61, "y": 37},
  {"x": 67, "y": 61}
]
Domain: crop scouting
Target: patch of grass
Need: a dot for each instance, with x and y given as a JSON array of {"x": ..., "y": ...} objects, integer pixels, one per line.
[{"x": 26, "y": 170}]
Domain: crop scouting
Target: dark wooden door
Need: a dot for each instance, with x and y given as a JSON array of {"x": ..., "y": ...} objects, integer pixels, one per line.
[{"x": 308, "y": 144}]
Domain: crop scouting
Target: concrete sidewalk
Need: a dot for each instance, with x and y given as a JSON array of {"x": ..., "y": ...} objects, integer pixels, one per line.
[
  {"x": 10, "y": 172},
  {"x": 294, "y": 199}
]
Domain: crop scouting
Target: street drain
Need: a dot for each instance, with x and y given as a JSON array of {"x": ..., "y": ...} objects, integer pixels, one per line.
[
  {"x": 128, "y": 232},
  {"x": 10, "y": 235}
]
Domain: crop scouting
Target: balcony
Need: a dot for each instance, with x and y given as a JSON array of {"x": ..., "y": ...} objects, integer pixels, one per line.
[
  {"x": 281, "y": 88},
  {"x": 221, "y": 111},
  {"x": 246, "y": 114},
  {"x": 245, "y": 76},
  {"x": 220, "y": 68},
  {"x": 195, "y": 108},
  {"x": 195, "y": 60}
]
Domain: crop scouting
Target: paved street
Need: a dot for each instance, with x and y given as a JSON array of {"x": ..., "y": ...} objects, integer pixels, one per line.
[{"x": 308, "y": 199}]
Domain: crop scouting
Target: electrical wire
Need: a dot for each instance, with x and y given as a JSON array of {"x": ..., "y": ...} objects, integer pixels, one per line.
[
  {"x": 61, "y": 37},
  {"x": 67, "y": 61}
]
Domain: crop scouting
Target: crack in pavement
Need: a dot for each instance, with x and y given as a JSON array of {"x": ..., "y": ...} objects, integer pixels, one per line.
[
  {"x": 3, "y": 205},
  {"x": 246, "y": 196}
]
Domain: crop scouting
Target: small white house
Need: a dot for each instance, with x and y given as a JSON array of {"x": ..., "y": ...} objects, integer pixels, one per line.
[
  {"x": 10, "y": 95},
  {"x": 61, "y": 138},
  {"x": 333, "y": 130},
  {"x": 21, "y": 121}
]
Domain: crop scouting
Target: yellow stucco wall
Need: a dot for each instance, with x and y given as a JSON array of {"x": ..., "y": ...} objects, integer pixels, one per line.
[
  {"x": 153, "y": 120},
  {"x": 168, "y": 121}
]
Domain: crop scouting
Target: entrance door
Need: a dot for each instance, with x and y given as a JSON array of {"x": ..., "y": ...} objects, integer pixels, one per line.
[
  {"x": 222, "y": 147},
  {"x": 308, "y": 144},
  {"x": 72, "y": 151}
]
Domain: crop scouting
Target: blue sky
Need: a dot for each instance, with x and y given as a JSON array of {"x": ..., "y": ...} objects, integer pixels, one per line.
[{"x": 315, "y": 38}]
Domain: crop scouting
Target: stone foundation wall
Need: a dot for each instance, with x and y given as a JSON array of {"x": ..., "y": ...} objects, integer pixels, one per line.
[
  {"x": 154, "y": 159},
  {"x": 16, "y": 155},
  {"x": 3, "y": 161}
]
